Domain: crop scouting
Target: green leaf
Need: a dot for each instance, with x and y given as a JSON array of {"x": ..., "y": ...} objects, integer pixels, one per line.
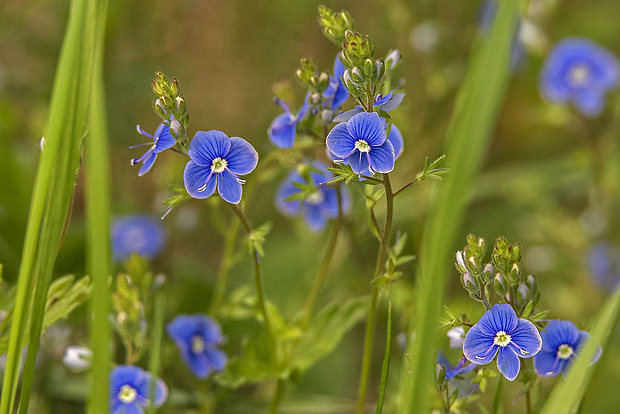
[
  {"x": 476, "y": 112},
  {"x": 325, "y": 331},
  {"x": 567, "y": 394}
]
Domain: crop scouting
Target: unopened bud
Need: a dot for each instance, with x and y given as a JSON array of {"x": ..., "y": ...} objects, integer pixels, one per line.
[
  {"x": 174, "y": 88},
  {"x": 469, "y": 282},
  {"x": 327, "y": 115},
  {"x": 460, "y": 261},
  {"x": 392, "y": 59},
  {"x": 500, "y": 285},
  {"x": 522, "y": 292},
  {"x": 180, "y": 105},
  {"x": 175, "y": 128},
  {"x": 315, "y": 98},
  {"x": 160, "y": 108},
  {"x": 487, "y": 271}
]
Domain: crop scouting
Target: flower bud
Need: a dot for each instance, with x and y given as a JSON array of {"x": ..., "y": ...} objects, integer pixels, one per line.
[
  {"x": 357, "y": 75},
  {"x": 174, "y": 88},
  {"x": 530, "y": 281},
  {"x": 327, "y": 115},
  {"x": 392, "y": 59},
  {"x": 175, "y": 128},
  {"x": 522, "y": 292},
  {"x": 180, "y": 105},
  {"x": 315, "y": 98},
  {"x": 160, "y": 108},
  {"x": 500, "y": 285},
  {"x": 77, "y": 358},
  {"x": 369, "y": 69},
  {"x": 379, "y": 68},
  {"x": 487, "y": 271},
  {"x": 460, "y": 261},
  {"x": 469, "y": 282}
]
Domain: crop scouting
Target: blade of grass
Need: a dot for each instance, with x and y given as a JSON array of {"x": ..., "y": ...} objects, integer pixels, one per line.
[
  {"x": 468, "y": 135},
  {"x": 159, "y": 309},
  {"x": 98, "y": 217},
  {"x": 54, "y": 185},
  {"x": 567, "y": 394},
  {"x": 386, "y": 361}
]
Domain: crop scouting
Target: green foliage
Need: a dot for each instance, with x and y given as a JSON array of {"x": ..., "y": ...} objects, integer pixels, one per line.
[
  {"x": 64, "y": 295},
  {"x": 335, "y": 24}
]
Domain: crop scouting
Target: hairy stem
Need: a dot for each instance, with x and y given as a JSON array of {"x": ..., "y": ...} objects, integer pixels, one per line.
[{"x": 379, "y": 267}]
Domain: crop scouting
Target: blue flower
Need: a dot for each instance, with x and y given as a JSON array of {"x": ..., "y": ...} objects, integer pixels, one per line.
[
  {"x": 581, "y": 72},
  {"x": 604, "y": 263},
  {"x": 385, "y": 103},
  {"x": 499, "y": 330},
  {"x": 320, "y": 206},
  {"x": 283, "y": 129},
  {"x": 362, "y": 142},
  {"x": 462, "y": 368},
  {"x": 137, "y": 233},
  {"x": 163, "y": 140},
  {"x": 218, "y": 160},
  {"x": 336, "y": 92},
  {"x": 130, "y": 390},
  {"x": 197, "y": 337},
  {"x": 561, "y": 342}
]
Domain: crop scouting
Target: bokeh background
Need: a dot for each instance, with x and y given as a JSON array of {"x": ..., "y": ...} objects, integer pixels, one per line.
[{"x": 550, "y": 180}]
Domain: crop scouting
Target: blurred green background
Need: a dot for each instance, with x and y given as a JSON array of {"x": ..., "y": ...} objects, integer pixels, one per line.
[{"x": 550, "y": 181}]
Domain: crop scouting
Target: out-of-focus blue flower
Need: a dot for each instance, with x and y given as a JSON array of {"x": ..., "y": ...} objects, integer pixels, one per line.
[
  {"x": 336, "y": 93},
  {"x": 604, "y": 264},
  {"x": 283, "y": 129},
  {"x": 561, "y": 342},
  {"x": 318, "y": 207},
  {"x": 197, "y": 337},
  {"x": 163, "y": 140},
  {"x": 130, "y": 390},
  {"x": 581, "y": 72},
  {"x": 500, "y": 331},
  {"x": 462, "y": 368},
  {"x": 217, "y": 160},
  {"x": 137, "y": 233},
  {"x": 385, "y": 103},
  {"x": 363, "y": 144}
]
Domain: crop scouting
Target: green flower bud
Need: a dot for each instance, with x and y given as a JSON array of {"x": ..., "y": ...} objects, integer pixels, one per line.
[
  {"x": 174, "y": 88},
  {"x": 500, "y": 285},
  {"x": 161, "y": 109},
  {"x": 487, "y": 272},
  {"x": 180, "y": 105},
  {"x": 470, "y": 282}
]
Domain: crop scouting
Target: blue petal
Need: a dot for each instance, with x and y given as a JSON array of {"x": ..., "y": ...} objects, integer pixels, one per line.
[
  {"x": 358, "y": 162},
  {"x": 163, "y": 138},
  {"x": 229, "y": 187},
  {"x": 393, "y": 103},
  {"x": 287, "y": 189},
  {"x": 217, "y": 358},
  {"x": 131, "y": 408},
  {"x": 367, "y": 126},
  {"x": 195, "y": 177},
  {"x": 340, "y": 97},
  {"x": 476, "y": 346},
  {"x": 138, "y": 234},
  {"x": 589, "y": 103},
  {"x": 383, "y": 99},
  {"x": 498, "y": 318},
  {"x": 182, "y": 329},
  {"x": 315, "y": 218},
  {"x": 581, "y": 341},
  {"x": 339, "y": 141},
  {"x": 527, "y": 338},
  {"x": 559, "y": 333},
  {"x": 242, "y": 158},
  {"x": 207, "y": 146},
  {"x": 508, "y": 363},
  {"x": 283, "y": 130},
  {"x": 147, "y": 164},
  {"x": 345, "y": 116},
  {"x": 330, "y": 204},
  {"x": 209, "y": 328},
  {"x": 545, "y": 364},
  {"x": 382, "y": 157},
  {"x": 199, "y": 364},
  {"x": 396, "y": 138}
]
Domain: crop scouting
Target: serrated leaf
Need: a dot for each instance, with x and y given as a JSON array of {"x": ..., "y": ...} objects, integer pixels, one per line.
[{"x": 326, "y": 330}]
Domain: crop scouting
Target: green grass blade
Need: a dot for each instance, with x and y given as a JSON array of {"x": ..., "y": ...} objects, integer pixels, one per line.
[
  {"x": 98, "y": 217},
  {"x": 568, "y": 393},
  {"x": 159, "y": 310},
  {"x": 386, "y": 362},
  {"x": 52, "y": 195},
  {"x": 475, "y": 115}
]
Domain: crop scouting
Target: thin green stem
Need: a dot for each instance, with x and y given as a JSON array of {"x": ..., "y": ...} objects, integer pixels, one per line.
[
  {"x": 379, "y": 268},
  {"x": 497, "y": 400},
  {"x": 324, "y": 268},
  {"x": 447, "y": 399},
  {"x": 277, "y": 397},
  {"x": 257, "y": 277},
  {"x": 230, "y": 241},
  {"x": 159, "y": 310},
  {"x": 386, "y": 362}
]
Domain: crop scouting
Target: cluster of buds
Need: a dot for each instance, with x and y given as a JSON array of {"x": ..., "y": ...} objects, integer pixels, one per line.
[
  {"x": 335, "y": 24},
  {"x": 476, "y": 277},
  {"x": 170, "y": 106},
  {"x": 312, "y": 80}
]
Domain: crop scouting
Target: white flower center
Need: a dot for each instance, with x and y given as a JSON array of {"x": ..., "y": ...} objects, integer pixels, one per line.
[
  {"x": 578, "y": 75},
  {"x": 198, "y": 344},
  {"x": 565, "y": 351},
  {"x": 127, "y": 394},
  {"x": 218, "y": 165},
  {"x": 501, "y": 339},
  {"x": 362, "y": 146},
  {"x": 315, "y": 198}
]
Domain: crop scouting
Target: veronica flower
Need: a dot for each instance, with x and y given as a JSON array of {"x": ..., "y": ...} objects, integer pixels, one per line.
[
  {"x": 217, "y": 160},
  {"x": 162, "y": 141},
  {"x": 562, "y": 341},
  {"x": 137, "y": 233},
  {"x": 130, "y": 390},
  {"x": 462, "y": 368},
  {"x": 318, "y": 207},
  {"x": 604, "y": 264},
  {"x": 283, "y": 129},
  {"x": 197, "y": 337},
  {"x": 579, "y": 71},
  {"x": 385, "y": 103},
  {"x": 362, "y": 142},
  {"x": 336, "y": 92},
  {"x": 500, "y": 332}
]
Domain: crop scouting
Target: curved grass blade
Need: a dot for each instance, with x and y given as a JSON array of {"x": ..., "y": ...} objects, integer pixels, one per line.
[{"x": 386, "y": 362}]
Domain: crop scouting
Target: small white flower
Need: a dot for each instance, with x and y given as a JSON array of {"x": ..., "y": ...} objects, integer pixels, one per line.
[{"x": 77, "y": 358}]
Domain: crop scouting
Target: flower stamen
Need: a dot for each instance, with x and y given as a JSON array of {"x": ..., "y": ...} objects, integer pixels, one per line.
[
  {"x": 502, "y": 339},
  {"x": 127, "y": 394},
  {"x": 565, "y": 351},
  {"x": 198, "y": 344},
  {"x": 362, "y": 146},
  {"x": 219, "y": 165}
]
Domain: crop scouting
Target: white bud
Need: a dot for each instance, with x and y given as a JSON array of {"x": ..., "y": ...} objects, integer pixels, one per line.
[
  {"x": 456, "y": 336},
  {"x": 77, "y": 358}
]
